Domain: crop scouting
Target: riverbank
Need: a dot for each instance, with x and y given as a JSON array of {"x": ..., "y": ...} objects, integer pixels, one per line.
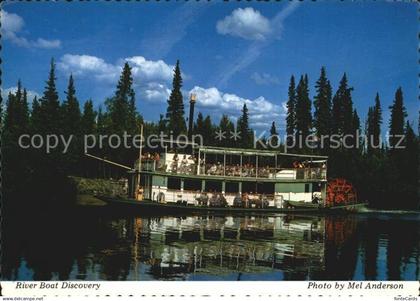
[{"x": 86, "y": 189}]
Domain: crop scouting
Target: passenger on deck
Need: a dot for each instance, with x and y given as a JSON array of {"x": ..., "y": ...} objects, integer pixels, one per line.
[
  {"x": 156, "y": 157},
  {"x": 237, "y": 171},
  {"x": 237, "y": 201},
  {"x": 245, "y": 200},
  {"x": 223, "y": 201},
  {"x": 202, "y": 167},
  {"x": 217, "y": 200},
  {"x": 203, "y": 199},
  {"x": 251, "y": 172},
  {"x": 197, "y": 196},
  {"x": 212, "y": 170},
  {"x": 183, "y": 167},
  {"x": 219, "y": 169},
  {"x": 244, "y": 172},
  {"x": 263, "y": 201},
  {"x": 174, "y": 166}
]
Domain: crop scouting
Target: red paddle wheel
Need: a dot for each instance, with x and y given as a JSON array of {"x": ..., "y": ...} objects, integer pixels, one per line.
[{"x": 340, "y": 192}]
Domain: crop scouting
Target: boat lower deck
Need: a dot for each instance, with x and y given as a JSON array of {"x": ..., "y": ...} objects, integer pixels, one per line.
[{"x": 152, "y": 206}]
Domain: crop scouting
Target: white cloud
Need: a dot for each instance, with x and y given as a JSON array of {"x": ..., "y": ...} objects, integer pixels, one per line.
[
  {"x": 88, "y": 65},
  {"x": 246, "y": 23},
  {"x": 255, "y": 49},
  {"x": 155, "y": 92},
  {"x": 11, "y": 22},
  {"x": 150, "y": 70},
  {"x": 262, "y": 112},
  {"x": 151, "y": 78},
  {"x": 264, "y": 79},
  {"x": 12, "y": 25},
  {"x": 152, "y": 81},
  {"x": 42, "y": 43},
  {"x": 30, "y": 94}
]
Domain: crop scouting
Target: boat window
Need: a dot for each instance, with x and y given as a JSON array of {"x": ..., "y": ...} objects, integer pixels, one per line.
[
  {"x": 213, "y": 186},
  {"x": 249, "y": 187},
  {"x": 266, "y": 188},
  {"x": 316, "y": 187},
  {"x": 192, "y": 184},
  {"x": 232, "y": 187},
  {"x": 143, "y": 180},
  {"x": 174, "y": 183}
]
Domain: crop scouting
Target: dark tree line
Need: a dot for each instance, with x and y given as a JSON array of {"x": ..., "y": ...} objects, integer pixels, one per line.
[{"x": 385, "y": 176}]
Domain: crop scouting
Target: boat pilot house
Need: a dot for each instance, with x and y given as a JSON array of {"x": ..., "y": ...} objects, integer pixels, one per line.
[{"x": 226, "y": 177}]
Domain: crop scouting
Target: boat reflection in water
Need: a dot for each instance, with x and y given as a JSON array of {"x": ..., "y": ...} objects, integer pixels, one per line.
[
  {"x": 222, "y": 246},
  {"x": 281, "y": 247}
]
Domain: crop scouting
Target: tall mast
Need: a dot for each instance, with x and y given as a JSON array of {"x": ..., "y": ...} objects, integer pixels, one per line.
[{"x": 191, "y": 117}]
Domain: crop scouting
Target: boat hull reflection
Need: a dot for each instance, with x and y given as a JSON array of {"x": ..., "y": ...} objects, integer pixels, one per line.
[{"x": 207, "y": 247}]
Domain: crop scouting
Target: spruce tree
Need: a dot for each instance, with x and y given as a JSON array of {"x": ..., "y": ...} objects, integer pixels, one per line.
[
  {"x": 18, "y": 93},
  {"x": 336, "y": 121},
  {"x": 341, "y": 108},
  {"x": 101, "y": 122},
  {"x": 273, "y": 135},
  {"x": 347, "y": 110},
  {"x": 71, "y": 111},
  {"x": 15, "y": 122},
  {"x": 16, "y": 118},
  {"x": 322, "y": 104},
  {"x": 396, "y": 124},
  {"x": 410, "y": 168},
  {"x": 88, "y": 118},
  {"x": 199, "y": 125},
  {"x": 121, "y": 107},
  {"x": 17, "y": 163},
  {"x": 71, "y": 126},
  {"x": 17, "y": 113},
  {"x": 418, "y": 125},
  {"x": 369, "y": 130},
  {"x": 161, "y": 124},
  {"x": 291, "y": 109},
  {"x": 11, "y": 111},
  {"x": 377, "y": 120},
  {"x": 208, "y": 131},
  {"x": 303, "y": 108},
  {"x": 36, "y": 117},
  {"x": 50, "y": 106},
  {"x": 356, "y": 130},
  {"x": 226, "y": 127},
  {"x": 24, "y": 111},
  {"x": 175, "y": 110},
  {"x": 373, "y": 126},
  {"x": 245, "y": 133}
]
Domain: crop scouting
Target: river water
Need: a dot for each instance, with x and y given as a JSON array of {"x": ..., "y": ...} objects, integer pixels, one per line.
[{"x": 92, "y": 246}]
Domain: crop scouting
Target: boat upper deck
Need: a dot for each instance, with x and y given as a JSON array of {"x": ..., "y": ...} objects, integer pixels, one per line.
[{"x": 217, "y": 162}]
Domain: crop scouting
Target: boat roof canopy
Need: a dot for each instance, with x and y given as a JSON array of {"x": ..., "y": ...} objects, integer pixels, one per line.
[
  {"x": 171, "y": 143},
  {"x": 167, "y": 142},
  {"x": 250, "y": 152}
]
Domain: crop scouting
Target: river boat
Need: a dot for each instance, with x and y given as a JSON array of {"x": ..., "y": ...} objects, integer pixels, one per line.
[{"x": 218, "y": 179}]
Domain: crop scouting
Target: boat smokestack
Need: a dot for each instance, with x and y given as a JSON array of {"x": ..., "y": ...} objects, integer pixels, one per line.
[{"x": 191, "y": 118}]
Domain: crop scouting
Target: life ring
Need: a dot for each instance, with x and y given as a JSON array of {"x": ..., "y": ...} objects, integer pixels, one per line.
[{"x": 161, "y": 197}]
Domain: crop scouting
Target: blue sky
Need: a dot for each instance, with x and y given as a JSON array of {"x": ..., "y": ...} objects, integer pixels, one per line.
[{"x": 230, "y": 53}]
